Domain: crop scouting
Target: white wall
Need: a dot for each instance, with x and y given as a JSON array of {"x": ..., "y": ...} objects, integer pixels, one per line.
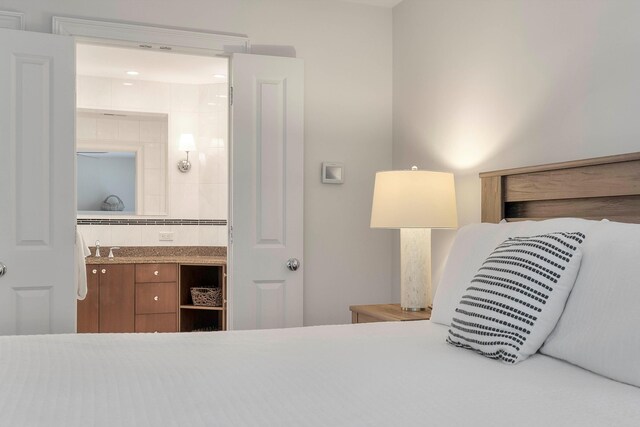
[
  {"x": 347, "y": 52},
  {"x": 485, "y": 85}
]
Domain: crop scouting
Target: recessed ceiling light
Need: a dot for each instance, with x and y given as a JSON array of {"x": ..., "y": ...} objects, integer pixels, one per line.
[
  {"x": 220, "y": 76},
  {"x": 211, "y": 103},
  {"x": 221, "y": 96},
  {"x": 132, "y": 73},
  {"x": 127, "y": 84}
]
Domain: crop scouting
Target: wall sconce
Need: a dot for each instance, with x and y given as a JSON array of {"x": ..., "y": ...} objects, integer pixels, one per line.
[{"x": 187, "y": 143}]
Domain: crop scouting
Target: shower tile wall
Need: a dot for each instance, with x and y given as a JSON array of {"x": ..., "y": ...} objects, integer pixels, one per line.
[{"x": 199, "y": 194}]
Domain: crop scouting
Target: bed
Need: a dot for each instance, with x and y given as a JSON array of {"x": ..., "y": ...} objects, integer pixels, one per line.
[
  {"x": 381, "y": 374},
  {"x": 376, "y": 374}
]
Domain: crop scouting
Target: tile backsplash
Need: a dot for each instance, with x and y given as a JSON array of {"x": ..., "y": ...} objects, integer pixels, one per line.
[{"x": 149, "y": 235}]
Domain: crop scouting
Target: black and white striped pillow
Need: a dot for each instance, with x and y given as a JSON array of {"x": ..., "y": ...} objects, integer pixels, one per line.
[{"x": 517, "y": 296}]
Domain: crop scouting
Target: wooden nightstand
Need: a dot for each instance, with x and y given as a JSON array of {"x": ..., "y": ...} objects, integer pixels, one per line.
[{"x": 385, "y": 313}]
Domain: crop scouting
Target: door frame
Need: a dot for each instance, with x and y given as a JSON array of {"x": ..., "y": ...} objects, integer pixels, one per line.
[
  {"x": 176, "y": 41},
  {"x": 150, "y": 37}
]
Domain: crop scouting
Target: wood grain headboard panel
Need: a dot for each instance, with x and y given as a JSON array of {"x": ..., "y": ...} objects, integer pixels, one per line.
[{"x": 604, "y": 187}]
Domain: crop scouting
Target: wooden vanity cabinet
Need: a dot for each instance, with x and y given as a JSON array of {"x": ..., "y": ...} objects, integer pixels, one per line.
[
  {"x": 109, "y": 305},
  {"x": 156, "y": 298},
  {"x": 151, "y": 298},
  {"x": 117, "y": 293},
  {"x": 88, "y": 308}
]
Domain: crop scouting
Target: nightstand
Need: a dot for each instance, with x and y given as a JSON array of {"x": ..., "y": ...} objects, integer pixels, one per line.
[{"x": 385, "y": 313}]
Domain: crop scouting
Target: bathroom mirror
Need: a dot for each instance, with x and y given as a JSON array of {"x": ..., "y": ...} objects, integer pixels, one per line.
[
  {"x": 121, "y": 163},
  {"x": 107, "y": 182}
]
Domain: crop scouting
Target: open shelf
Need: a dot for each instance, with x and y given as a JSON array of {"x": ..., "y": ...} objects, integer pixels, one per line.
[
  {"x": 195, "y": 317},
  {"x": 200, "y": 307}
]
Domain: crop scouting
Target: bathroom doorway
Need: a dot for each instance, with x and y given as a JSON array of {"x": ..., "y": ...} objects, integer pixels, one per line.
[
  {"x": 152, "y": 187},
  {"x": 266, "y": 166}
]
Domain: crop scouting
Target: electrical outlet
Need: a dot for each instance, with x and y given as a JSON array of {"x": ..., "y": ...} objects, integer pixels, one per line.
[{"x": 166, "y": 236}]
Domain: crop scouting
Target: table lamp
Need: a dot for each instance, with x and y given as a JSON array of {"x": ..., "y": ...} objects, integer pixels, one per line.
[{"x": 414, "y": 201}]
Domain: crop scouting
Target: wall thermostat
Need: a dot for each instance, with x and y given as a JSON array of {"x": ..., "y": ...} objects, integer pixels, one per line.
[{"x": 332, "y": 173}]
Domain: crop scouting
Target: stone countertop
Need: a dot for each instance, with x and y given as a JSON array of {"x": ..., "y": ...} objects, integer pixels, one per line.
[
  {"x": 209, "y": 255},
  {"x": 208, "y": 260}
]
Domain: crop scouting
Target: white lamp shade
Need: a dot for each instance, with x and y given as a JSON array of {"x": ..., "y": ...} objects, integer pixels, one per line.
[
  {"x": 187, "y": 142},
  {"x": 414, "y": 199}
]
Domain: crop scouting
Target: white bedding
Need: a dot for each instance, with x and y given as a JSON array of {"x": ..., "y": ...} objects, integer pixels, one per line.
[{"x": 382, "y": 374}]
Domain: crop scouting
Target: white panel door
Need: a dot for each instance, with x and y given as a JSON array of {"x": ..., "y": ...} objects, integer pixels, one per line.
[
  {"x": 37, "y": 187},
  {"x": 267, "y": 160},
  {"x": 11, "y": 20}
]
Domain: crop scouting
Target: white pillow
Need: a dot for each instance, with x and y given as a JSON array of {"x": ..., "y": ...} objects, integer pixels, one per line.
[
  {"x": 472, "y": 245},
  {"x": 600, "y": 327},
  {"x": 514, "y": 301}
]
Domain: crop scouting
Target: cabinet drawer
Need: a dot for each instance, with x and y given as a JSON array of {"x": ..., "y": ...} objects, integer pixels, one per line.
[
  {"x": 157, "y": 322},
  {"x": 155, "y": 273},
  {"x": 156, "y": 298}
]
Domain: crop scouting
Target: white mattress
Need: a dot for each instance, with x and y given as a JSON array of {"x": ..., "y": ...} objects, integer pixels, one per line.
[{"x": 383, "y": 374}]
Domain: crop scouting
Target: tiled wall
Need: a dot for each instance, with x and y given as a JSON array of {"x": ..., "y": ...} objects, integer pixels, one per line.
[{"x": 199, "y": 194}]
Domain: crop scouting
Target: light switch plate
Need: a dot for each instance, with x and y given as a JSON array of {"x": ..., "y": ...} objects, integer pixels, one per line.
[
  {"x": 166, "y": 236},
  {"x": 332, "y": 173}
]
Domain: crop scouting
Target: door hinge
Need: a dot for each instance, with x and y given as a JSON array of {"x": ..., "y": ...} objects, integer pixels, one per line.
[
  {"x": 230, "y": 234},
  {"x": 230, "y": 95}
]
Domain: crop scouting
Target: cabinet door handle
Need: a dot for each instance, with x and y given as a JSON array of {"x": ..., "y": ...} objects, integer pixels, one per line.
[
  {"x": 156, "y": 272},
  {"x": 156, "y": 298},
  {"x": 94, "y": 271},
  {"x": 104, "y": 270}
]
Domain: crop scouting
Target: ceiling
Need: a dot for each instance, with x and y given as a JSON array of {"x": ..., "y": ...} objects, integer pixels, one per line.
[
  {"x": 114, "y": 62},
  {"x": 380, "y": 3}
]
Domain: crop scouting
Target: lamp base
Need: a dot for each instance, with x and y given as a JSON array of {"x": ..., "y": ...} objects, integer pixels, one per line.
[{"x": 415, "y": 264}]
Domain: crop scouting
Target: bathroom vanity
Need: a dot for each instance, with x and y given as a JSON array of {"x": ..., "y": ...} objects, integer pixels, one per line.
[{"x": 148, "y": 290}]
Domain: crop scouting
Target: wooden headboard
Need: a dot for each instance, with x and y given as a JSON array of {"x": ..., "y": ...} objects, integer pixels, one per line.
[{"x": 604, "y": 187}]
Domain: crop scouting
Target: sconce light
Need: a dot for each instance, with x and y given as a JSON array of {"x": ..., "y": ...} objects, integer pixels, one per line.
[{"x": 187, "y": 143}]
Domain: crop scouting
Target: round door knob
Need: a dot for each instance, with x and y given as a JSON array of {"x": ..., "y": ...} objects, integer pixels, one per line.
[
  {"x": 3, "y": 269},
  {"x": 155, "y": 273},
  {"x": 104, "y": 270},
  {"x": 156, "y": 298},
  {"x": 94, "y": 271},
  {"x": 293, "y": 264}
]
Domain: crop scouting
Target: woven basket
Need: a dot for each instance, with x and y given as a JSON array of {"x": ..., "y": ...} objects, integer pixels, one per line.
[
  {"x": 113, "y": 203},
  {"x": 210, "y": 297}
]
